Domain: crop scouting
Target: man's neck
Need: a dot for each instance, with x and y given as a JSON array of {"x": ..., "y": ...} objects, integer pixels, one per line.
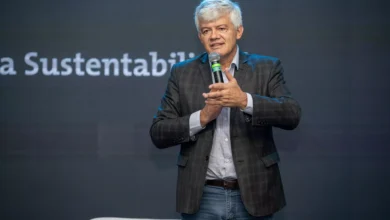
[
  {"x": 226, "y": 64},
  {"x": 227, "y": 61}
]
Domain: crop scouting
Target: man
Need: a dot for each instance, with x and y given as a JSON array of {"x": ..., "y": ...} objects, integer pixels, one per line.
[{"x": 227, "y": 166}]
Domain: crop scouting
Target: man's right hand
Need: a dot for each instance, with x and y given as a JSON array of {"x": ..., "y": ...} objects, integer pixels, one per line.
[{"x": 209, "y": 113}]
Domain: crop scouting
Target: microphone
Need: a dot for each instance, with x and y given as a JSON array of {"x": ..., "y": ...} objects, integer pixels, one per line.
[{"x": 216, "y": 67}]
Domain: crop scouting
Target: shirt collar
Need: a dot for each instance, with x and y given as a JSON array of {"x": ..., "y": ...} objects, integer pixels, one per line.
[{"x": 236, "y": 59}]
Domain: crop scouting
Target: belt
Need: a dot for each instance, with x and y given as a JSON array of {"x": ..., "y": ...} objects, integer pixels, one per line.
[{"x": 227, "y": 184}]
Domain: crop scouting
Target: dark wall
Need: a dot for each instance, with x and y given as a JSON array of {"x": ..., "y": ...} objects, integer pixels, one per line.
[{"x": 76, "y": 146}]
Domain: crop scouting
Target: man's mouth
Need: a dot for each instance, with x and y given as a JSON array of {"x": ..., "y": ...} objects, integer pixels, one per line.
[{"x": 216, "y": 45}]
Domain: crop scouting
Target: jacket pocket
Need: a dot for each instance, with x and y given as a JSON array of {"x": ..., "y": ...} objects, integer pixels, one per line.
[
  {"x": 271, "y": 159},
  {"x": 182, "y": 160}
]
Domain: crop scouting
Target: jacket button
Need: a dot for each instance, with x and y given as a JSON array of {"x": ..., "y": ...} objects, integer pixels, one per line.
[
  {"x": 207, "y": 158},
  {"x": 193, "y": 138}
]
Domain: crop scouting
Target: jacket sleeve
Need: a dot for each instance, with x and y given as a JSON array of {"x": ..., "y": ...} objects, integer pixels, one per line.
[
  {"x": 278, "y": 109},
  {"x": 170, "y": 127}
]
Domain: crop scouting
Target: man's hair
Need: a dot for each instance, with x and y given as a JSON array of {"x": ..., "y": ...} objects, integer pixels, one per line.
[{"x": 211, "y": 10}]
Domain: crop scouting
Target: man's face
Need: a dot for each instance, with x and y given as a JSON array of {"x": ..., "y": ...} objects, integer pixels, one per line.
[{"x": 220, "y": 36}]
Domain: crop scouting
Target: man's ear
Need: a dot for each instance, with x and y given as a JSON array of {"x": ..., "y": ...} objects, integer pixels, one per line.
[{"x": 240, "y": 31}]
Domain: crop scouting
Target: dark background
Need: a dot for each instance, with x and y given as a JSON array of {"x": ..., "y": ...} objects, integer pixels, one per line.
[{"x": 78, "y": 147}]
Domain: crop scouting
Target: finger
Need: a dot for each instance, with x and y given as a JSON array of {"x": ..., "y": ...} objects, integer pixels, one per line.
[
  {"x": 209, "y": 95},
  {"x": 214, "y": 94},
  {"x": 219, "y": 102},
  {"x": 217, "y": 86},
  {"x": 228, "y": 74}
]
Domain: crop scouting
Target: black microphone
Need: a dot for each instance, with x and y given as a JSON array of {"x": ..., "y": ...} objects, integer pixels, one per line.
[{"x": 216, "y": 67}]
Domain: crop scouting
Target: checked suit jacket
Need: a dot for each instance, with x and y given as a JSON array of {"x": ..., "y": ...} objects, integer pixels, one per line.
[{"x": 254, "y": 153}]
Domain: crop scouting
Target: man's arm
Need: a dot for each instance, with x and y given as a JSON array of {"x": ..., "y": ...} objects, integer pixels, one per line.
[
  {"x": 279, "y": 109},
  {"x": 170, "y": 127}
]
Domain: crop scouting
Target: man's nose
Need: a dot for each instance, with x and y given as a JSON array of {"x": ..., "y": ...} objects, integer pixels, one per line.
[{"x": 214, "y": 34}]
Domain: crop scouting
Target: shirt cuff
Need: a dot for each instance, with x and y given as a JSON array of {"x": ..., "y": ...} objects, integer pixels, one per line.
[
  {"x": 249, "y": 105},
  {"x": 195, "y": 125}
]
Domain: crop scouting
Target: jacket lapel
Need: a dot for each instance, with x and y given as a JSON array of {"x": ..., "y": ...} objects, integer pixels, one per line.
[
  {"x": 243, "y": 69},
  {"x": 205, "y": 72}
]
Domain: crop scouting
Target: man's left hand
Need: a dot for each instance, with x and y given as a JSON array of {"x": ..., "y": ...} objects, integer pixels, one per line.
[{"x": 226, "y": 94}]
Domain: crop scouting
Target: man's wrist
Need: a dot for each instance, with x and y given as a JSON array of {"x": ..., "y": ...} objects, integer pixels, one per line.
[
  {"x": 203, "y": 119},
  {"x": 244, "y": 101}
]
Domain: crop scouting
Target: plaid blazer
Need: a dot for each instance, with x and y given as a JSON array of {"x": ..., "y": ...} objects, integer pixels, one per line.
[{"x": 254, "y": 154}]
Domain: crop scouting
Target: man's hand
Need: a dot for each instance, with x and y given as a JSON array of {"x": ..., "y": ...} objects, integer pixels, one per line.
[
  {"x": 209, "y": 113},
  {"x": 226, "y": 94}
]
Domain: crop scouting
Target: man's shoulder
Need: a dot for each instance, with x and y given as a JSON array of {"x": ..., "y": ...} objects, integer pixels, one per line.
[
  {"x": 253, "y": 58},
  {"x": 192, "y": 62}
]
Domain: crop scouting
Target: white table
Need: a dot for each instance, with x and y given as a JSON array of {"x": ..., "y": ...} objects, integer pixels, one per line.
[{"x": 114, "y": 218}]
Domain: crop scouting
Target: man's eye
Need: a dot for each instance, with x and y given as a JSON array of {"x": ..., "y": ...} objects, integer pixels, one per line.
[
  {"x": 205, "y": 32},
  {"x": 222, "y": 29}
]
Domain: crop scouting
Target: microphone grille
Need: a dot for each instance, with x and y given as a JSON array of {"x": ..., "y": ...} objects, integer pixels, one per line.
[{"x": 213, "y": 56}]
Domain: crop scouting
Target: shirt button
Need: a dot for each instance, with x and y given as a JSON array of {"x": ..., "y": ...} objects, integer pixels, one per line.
[{"x": 226, "y": 139}]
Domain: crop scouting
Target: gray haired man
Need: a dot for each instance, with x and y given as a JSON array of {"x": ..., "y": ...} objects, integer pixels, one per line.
[{"x": 228, "y": 162}]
